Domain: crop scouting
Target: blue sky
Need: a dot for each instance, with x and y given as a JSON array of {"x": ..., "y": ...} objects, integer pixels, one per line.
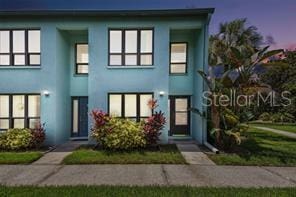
[{"x": 272, "y": 17}]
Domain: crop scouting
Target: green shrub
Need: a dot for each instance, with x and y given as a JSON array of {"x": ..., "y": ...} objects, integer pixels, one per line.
[
  {"x": 16, "y": 139},
  {"x": 117, "y": 134},
  {"x": 265, "y": 116},
  {"x": 2, "y": 140}
]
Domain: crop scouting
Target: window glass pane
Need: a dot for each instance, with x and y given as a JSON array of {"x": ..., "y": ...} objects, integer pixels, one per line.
[
  {"x": 130, "y": 105},
  {"x": 4, "y": 124},
  {"x": 115, "y": 104},
  {"x": 34, "y": 106},
  {"x": 33, "y": 123},
  {"x": 19, "y": 123},
  {"x": 131, "y": 42},
  {"x": 146, "y": 59},
  {"x": 75, "y": 116},
  {"x": 146, "y": 41},
  {"x": 178, "y": 68},
  {"x": 178, "y": 53},
  {"x": 4, "y": 106},
  {"x": 4, "y": 60},
  {"x": 181, "y": 104},
  {"x": 82, "y": 53},
  {"x": 115, "y": 41},
  {"x": 18, "y": 107},
  {"x": 19, "y": 59},
  {"x": 34, "y": 41},
  {"x": 82, "y": 69},
  {"x": 115, "y": 60},
  {"x": 145, "y": 111},
  {"x": 181, "y": 119},
  {"x": 131, "y": 60},
  {"x": 34, "y": 59},
  {"x": 18, "y": 41},
  {"x": 4, "y": 42}
]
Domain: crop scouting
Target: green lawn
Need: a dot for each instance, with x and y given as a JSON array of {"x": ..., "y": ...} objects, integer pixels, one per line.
[
  {"x": 19, "y": 157},
  {"x": 149, "y": 191},
  {"x": 261, "y": 148},
  {"x": 289, "y": 127},
  {"x": 168, "y": 154}
]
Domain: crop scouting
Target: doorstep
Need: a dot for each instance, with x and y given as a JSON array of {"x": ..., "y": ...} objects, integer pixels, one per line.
[{"x": 78, "y": 138}]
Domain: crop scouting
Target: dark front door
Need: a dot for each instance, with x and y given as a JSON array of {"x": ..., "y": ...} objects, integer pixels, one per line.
[
  {"x": 179, "y": 115},
  {"x": 79, "y": 116}
]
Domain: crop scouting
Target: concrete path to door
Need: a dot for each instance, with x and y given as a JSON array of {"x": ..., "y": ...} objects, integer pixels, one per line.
[
  {"x": 285, "y": 133},
  {"x": 57, "y": 155},
  {"x": 192, "y": 154}
]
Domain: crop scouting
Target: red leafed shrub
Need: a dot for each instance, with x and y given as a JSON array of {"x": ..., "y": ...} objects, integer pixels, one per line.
[
  {"x": 152, "y": 104},
  {"x": 38, "y": 135},
  {"x": 100, "y": 118},
  {"x": 152, "y": 127}
]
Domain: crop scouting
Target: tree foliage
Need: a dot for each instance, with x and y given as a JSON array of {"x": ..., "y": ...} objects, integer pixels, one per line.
[
  {"x": 238, "y": 48},
  {"x": 283, "y": 78}
]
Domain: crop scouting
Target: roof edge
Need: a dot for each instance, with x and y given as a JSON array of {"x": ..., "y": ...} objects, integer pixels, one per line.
[{"x": 155, "y": 12}]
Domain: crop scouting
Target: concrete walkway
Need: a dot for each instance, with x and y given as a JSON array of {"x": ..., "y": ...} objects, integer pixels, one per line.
[
  {"x": 193, "y": 175},
  {"x": 285, "y": 133},
  {"x": 48, "y": 171},
  {"x": 57, "y": 155},
  {"x": 193, "y": 155}
]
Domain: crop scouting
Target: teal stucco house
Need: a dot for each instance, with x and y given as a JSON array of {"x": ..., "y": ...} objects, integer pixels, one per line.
[{"x": 57, "y": 64}]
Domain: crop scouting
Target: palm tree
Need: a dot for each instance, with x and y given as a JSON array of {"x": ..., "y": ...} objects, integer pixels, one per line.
[
  {"x": 238, "y": 48},
  {"x": 243, "y": 64},
  {"x": 233, "y": 34}
]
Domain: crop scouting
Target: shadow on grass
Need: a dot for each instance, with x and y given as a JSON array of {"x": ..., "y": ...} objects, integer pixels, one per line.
[
  {"x": 267, "y": 145},
  {"x": 166, "y": 148}
]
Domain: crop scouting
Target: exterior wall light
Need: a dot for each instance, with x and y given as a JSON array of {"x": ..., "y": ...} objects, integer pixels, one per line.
[
  {"x": 46, "y": 93},
  {"x": 161, "y": 93}
]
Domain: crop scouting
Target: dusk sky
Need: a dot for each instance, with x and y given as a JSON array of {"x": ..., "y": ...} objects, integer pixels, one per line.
[{"x": 272, "y": 17}]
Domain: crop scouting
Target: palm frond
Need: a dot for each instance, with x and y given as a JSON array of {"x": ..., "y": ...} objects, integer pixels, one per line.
[{"x": 270, "y": 54}]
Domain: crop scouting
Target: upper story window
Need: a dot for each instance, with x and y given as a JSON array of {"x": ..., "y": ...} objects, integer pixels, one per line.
[
  {"x": 131, "y": 47},
  {"x": 81, "y": 54},
  {"x": 20, "y": 47},
  {"x": 178, "y": 58},
  {"x": 130, "y": 105},
  {"x": 19, "y": 111}
]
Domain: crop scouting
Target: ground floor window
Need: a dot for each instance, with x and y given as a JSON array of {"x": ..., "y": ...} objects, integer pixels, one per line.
[
  {"x": 19, "y": 111},
  {"x": 130, "y": 105}
]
